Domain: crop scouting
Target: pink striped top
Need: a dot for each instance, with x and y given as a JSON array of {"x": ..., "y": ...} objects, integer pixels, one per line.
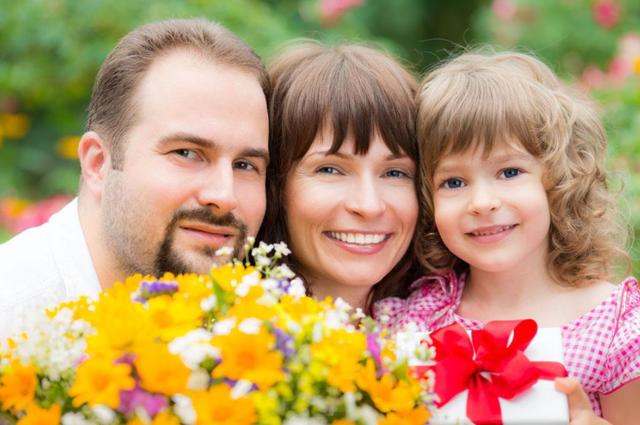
[{"x": 601, "y": 348}]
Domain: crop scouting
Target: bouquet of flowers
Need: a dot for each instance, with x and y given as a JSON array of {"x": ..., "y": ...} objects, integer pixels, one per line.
[{"x": 242, "y": 345}]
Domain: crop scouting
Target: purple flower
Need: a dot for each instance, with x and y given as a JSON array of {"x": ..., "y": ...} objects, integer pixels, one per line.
[
  {"x": 374, "y": 349},
  {"x": 284, "y": 342},
  {"x": 149, "y": 290},
  {"x": 130, "y": 400}
]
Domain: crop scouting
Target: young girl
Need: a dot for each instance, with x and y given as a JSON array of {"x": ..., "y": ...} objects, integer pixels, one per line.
[{"x": 517, "y": 222}]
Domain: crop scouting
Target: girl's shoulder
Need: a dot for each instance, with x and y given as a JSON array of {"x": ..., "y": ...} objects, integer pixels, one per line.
[
  {"x": 607, "y": 338},
  {"x": 432, "y": 299}
]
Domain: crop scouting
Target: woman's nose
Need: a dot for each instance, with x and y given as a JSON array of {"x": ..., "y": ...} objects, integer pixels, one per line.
[{"x": 365, "y": 198}]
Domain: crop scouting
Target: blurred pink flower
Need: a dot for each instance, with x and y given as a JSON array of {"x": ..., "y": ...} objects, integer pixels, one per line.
[
  {"x": 606, "y": 13},
  {"x": 332, "y": 10},
  {"x": 39, "y": 212},
  {"x": 592, "y": 78},
  {"x": 505, "y": 10}
]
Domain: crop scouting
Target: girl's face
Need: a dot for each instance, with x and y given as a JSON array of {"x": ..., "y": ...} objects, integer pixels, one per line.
[
  {"x": 350, "y": 217},
  {"x": 492, "y": 212}
]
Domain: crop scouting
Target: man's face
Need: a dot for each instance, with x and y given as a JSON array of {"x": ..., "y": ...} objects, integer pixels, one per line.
[{"x": 193, "y": 176}]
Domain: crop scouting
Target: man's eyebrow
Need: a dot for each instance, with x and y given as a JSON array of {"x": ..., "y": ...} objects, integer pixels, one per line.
[
  {"x": 191, "y": 138},
  {"x": 210, "y": 144},
  {"x": 256, "y": 153}
]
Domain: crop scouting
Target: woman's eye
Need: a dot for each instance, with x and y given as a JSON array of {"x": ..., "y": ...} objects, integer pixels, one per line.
[
  {"x": 397, "y": 174},
  {"x": 510, "y": 172},
  {"x": 453, "y": 183},
  {"x": 327, "y": 170}
]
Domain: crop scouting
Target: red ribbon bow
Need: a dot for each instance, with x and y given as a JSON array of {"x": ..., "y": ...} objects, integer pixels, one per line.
[{"x": 490, "y": 366}]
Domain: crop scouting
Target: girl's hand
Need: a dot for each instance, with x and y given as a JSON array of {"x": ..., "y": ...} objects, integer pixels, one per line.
[{"x": 580, "y": 411}]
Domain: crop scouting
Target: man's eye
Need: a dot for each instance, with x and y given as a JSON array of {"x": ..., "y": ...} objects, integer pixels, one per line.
[
  {"x": 186, "y": 153},
  {"x": 453, "y": 183},
  {"x": 511, "y": 172},
  {"x": 245, "y": 165}
]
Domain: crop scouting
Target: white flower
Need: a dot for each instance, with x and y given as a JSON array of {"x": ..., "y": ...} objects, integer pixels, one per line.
[
  {"x": 296, "y": 288},
  {"x": 194, "y": 347},
  {"x": 223, "y": 327},
  {"x": 241, "y": 388},
  {"x": 71, "y": 418},
  {"x": 305, "y": 420},
  {"x": 282, "y": 249},
  {"x": 184, "y": 409},
  {"x": 207, "y": 304},
  {"x": 224, "y": 251},
  {"x": 284, "y": 271},
  {"x": 104, "y": 414},
  {"x": 198, "y": 380},
  {"x": 250, "y": 326}
]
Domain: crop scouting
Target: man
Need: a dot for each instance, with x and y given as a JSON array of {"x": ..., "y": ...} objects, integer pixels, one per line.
[{"x": 173, "y": 169}]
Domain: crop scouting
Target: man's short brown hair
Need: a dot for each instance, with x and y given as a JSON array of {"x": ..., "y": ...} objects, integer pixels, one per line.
[{"x": 112, "y": 109}]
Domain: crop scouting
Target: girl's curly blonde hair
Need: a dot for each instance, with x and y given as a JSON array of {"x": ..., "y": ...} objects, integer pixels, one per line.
[{"x": 479, "y": 99}]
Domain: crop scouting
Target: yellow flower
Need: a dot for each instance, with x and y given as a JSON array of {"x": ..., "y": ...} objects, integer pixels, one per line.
[
  {"x": 249, "y": 308},
  {"x": 67, "y": 147},
  {"x": 162, "y": 418},
  {"x": 388, "y": 393},
  {"x": 636, "y": 64},
  {"x": 343, "y": 422},
  {"x": 18, "y": 386},
  {"x": 174, "y": 316},
  {"x": 417, "y": 416},
  {"x": 341, "y": 351},
  {"x": 39, "y": 416},
  {"x": 216, "y": 407},
  {"x": 99, "y": 381},
  {"x": 122, "y": 326},
  {"x": 160, "y": 371},
  {"x": 250, "y": 357},
  {"x": 15, "y": 126},
  {"x": 228, "y": 276},
  {"x": 191, "y": 286}
]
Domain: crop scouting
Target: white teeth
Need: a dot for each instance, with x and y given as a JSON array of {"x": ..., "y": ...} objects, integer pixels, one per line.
[
  {"x": 358, "y": 238},
  {"x": 493, "y": 232}
]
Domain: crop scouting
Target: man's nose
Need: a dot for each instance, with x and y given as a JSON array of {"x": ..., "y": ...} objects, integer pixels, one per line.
[
  {"x": 217, "y": 188},
  {"x": 365, "y": 198}
]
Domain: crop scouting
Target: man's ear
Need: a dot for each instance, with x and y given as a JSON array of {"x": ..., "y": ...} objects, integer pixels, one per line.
[{"x": 95, "y": 160}]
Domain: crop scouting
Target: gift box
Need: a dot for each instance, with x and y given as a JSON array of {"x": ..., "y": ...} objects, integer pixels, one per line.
[{"x": 502, "y": 374}]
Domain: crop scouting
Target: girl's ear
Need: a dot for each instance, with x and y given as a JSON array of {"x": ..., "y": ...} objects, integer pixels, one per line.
[{"x": 94, "y": 161}]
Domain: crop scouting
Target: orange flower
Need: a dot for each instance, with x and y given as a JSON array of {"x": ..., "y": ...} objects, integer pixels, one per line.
[
  {"x": 15, "y": 126},
  {"x": 67, "y": 147},
  {"x": 160, "y": 371},
  {"x": 216, "y": 407},
  {"x": 36, "y": 415},
  {"x": 417, "y": 416},
  {"x": 388, "y": 393},
  {"x": 18, "y": 386},
  {"x": 250, "y": 357},
  {"x": 99, "y": 381}
]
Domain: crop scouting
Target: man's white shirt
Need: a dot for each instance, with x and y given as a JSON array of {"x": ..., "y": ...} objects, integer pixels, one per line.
[{"x": 43, "y": 266}]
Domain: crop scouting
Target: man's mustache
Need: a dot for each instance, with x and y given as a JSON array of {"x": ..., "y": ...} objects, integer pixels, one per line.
[{"x": 206, "y": 216}]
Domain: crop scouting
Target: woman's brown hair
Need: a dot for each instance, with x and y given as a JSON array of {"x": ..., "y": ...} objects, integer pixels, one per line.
[{"x": 351, "y": 89}]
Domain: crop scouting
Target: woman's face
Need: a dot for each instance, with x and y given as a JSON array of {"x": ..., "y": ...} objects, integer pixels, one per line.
[{"x": 350, "y": 218}]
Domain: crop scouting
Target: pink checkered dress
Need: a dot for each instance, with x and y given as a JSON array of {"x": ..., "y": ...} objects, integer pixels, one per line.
[{"x": 601, "y": 348}]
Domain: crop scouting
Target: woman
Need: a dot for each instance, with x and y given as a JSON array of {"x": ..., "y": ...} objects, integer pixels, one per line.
[{"x": 342, "y": 179}]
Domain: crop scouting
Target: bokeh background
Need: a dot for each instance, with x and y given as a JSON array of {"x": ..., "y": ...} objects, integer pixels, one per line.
[{"x": 50, "y": 51}]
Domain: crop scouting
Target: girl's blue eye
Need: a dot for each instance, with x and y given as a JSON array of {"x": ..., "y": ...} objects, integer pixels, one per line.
[
  {"x": 510, "y": 172},
  {"x": 453, "y": 183}
]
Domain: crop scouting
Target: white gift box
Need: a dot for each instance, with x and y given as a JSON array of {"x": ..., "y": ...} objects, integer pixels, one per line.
[{"x": 539, "y": 405}]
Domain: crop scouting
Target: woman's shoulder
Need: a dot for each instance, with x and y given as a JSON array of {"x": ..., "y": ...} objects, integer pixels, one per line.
[{"x": 429, "y": 297}]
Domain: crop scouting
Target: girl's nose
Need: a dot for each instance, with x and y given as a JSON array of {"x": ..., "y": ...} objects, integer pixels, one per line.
[{"x": 483, "y": 200}]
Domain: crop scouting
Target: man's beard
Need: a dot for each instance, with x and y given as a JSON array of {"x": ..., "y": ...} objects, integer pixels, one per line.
[{"x": 167, "y": 260}]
